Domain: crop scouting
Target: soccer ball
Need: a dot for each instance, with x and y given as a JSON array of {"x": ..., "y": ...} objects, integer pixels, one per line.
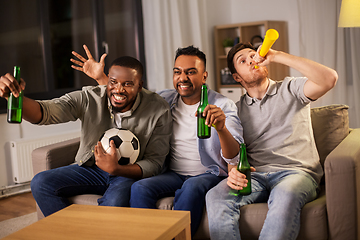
[{"x": 127, "y": 144}]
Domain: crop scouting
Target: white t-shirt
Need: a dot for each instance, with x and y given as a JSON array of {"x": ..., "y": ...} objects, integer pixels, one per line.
[{"x": 185, "y": 157}]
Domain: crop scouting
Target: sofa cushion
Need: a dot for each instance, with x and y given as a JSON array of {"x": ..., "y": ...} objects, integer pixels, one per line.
[
  {"x": 330, "y": 125},
  {"x": 85, "y": 199}
]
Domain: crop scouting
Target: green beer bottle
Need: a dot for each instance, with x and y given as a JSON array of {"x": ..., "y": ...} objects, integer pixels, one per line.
[
  {"x": 14, "y": 107},
  {"x": 243, "y": 167},
  {"x": 203, "y": 130}
]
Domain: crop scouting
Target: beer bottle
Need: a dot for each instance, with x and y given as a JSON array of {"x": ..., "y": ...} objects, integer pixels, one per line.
[
  {"x": 14, "y": 107},
  {"x": 243, "y": 167},
  {"x": 203, "y": 130}
]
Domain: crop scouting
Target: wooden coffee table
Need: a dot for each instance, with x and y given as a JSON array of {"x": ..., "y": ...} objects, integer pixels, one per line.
[{"x": 99, "y": 222}]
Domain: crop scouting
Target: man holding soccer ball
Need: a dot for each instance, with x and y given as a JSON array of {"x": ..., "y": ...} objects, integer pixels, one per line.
[{"x": 122, "y": 103}]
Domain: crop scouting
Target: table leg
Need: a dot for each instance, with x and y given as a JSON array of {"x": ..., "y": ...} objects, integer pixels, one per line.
[{"x": 184, "y": 234}]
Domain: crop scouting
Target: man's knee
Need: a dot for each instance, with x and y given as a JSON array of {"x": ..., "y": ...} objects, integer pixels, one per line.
[
  {"x": 209, "y": 198},
  {"x": 38, "y": 181},
  {"x": 140, "y": 188},
  {"x": 199, "y": 185}
]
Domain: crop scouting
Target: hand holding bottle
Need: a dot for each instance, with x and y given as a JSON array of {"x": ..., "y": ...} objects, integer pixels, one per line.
[
  {"x": 9, "y": 84},
  {"x": 214, "y": 117},
  {"x": 31, "y": 110},
  {"x": 237, "y": 180},
  {"x": 240, "y": 178}
]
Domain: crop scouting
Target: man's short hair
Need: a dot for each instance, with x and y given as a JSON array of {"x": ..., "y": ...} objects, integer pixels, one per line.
[
  {"x": 191, "y": 51},
  {"x": 230, "y": 57},
  {"x": 129, "y": 62}
]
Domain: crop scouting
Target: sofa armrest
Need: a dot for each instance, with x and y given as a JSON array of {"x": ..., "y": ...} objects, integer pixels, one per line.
[
  {"x": 342, "y": 183},
  {"x": 54, "y": 155}
]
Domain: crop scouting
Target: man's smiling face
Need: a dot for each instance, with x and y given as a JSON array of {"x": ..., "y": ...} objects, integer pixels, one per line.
[
  {"x": 188, "y": 76},
  {"x": 123, "y": 87}
]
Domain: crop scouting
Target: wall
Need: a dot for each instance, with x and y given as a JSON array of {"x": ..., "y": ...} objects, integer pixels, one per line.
[{"x": 217, "y": 14}]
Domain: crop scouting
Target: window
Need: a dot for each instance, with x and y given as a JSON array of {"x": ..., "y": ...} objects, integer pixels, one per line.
[{"x": 39, "y": 36}]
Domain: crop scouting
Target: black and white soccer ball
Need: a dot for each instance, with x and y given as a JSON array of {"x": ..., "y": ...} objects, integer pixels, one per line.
[{"x": 127, "y": 144}]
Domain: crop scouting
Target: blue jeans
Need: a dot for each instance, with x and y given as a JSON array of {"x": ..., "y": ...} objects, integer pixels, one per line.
[
  {"x": 51, "y": 188},
  {"x": 286, "y": 192},
  {"x": 189, "y": 193}
]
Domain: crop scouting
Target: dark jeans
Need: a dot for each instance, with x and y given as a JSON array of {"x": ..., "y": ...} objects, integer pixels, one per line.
[
  {"x": 189, "y": 193},
  {"x": 51, "y": 188}
]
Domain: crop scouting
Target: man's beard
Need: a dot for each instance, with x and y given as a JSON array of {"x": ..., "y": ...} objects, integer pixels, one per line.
[
  {"x": 120, "y": 109},
  {"x": 256, "y": 80},
  {"x": 117, "y": 109}
]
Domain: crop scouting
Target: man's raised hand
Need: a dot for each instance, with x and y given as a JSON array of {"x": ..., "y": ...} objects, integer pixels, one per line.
[{"x": 90, "y": 67}]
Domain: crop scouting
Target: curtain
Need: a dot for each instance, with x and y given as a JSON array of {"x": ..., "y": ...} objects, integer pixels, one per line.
[
  {"x": 169, "y": 25},
  {"x": 338, "y": 48}
]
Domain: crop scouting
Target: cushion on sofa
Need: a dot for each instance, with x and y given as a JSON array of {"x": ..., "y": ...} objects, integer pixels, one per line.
[
  {"x": 85, "y": 199},
  {"x": 330, "y": 125}
]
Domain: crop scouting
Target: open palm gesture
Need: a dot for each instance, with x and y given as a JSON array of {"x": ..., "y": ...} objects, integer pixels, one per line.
[{"x": 90, "y": 67}]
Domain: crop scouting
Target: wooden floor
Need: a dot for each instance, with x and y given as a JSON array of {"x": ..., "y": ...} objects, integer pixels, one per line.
[{"x": 16, "y": 206}]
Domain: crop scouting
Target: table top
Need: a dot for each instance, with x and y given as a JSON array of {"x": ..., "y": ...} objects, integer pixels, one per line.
[{"x": 100, "y": 222}]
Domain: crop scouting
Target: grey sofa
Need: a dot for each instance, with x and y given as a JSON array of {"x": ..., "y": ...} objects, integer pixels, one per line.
[{"x": 333, "y": 215}]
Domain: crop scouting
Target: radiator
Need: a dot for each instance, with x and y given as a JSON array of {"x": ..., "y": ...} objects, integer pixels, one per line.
[{"x": 20, "y": 153}]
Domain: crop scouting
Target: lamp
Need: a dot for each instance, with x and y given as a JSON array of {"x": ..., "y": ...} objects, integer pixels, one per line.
[{"x": 349, "y": 13}]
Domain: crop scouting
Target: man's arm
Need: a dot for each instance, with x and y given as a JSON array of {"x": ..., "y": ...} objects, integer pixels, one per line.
[
  {"x": 216, "y": 117},
  {"x": 320, "y": 78},
  {"x": 90, "y": 67},
  {"x": 31, "y": 109}
]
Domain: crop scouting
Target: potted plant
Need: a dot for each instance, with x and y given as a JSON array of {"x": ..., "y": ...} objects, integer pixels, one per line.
[{"x": 228, "y": 43}]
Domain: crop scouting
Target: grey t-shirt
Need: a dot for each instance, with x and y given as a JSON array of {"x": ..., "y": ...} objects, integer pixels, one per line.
[{"x": 278, "y": 131}]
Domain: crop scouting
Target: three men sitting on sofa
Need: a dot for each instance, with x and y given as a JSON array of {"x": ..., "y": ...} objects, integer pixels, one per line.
[{"x": 274, "y": 125}]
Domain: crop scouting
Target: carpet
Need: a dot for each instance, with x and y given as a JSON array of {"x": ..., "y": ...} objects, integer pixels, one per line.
[{"x": 15, "y": 224}]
